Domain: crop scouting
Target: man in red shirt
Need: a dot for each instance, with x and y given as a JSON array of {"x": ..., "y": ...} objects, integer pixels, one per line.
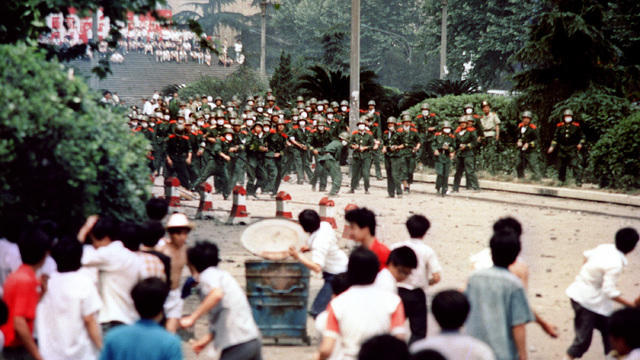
[
  {"x": 22, "y": 293},
  {"x": 362, "y": 226}
]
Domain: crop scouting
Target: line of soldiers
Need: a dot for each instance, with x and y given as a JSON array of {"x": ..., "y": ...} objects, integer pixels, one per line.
[{"x": 261, "y": 144}]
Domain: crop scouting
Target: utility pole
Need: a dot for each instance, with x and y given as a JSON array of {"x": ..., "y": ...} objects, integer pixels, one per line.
[
  {"x": 94, "y": 52},
  {"x": 443, "y": 40},
  {"x": 263, "y": 39},
  {"x": 354, "y": 76}
]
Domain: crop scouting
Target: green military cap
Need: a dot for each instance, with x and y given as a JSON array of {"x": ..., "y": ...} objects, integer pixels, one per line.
[
  {"x": 567, "y": 112},
  {"x": 299, "y": 99},
  {"x": 446, "y": 124},
  {"x": 371, "y": 102},
  {"x": 468, "y": 106},
  {"x": 343, "y": 136},
  {"x": 406, "y": 117},
  {"x": 344, "y": 103},
  {"x": 527, "y": 114},
  {"x": 424, "y": 106},
  {"x": 391, "y": 120}
]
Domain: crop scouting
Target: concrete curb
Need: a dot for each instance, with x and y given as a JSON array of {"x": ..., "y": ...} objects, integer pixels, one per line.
[{"x": 540, "y": 190}]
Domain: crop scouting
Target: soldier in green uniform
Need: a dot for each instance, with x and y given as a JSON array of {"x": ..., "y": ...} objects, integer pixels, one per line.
[
  {"x": 179, "y": 156},
  {"x": 390, "y": 156},
  {"x": 528, "y": 145},
  {"x": 256, "y": 147},
  {"x": 237, "y": 165},
  {"x": 467, "y": 141},
  {"x": 329, "y": 157},
  {"x": 299, "y": 137},
  {"x": 426, "y": 124},
  {"x": 163, "y": 129},
  {"x": 319, "y": 139},
  {"x": 569, "y": 140},
  {"x": 363, "y": 144},
  {"x": 443, "y": 147},
  {"x": 277, "y": 142},
  {"x": 376, "y": 129},
  {"x": 409, "y": 152}
]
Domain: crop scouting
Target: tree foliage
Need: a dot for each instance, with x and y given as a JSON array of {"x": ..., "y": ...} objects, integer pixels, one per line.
[
  {"x": 243, "y": 82},
  {"x": 210, "y": 15},
  {"x": 63, "y": 156},
  {"x": 283, "y": 82}
]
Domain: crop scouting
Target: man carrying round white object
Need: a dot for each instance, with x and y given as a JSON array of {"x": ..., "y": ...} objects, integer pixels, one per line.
[{"x": 326, "y": 256}]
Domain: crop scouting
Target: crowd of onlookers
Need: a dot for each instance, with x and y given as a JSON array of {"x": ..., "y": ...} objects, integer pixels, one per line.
[{"x": 115, "y": 290}]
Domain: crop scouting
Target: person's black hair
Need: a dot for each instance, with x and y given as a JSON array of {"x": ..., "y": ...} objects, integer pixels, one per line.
[
  {"x": 363, "y": 266},
  {"x": 427, "y": 355},
  {"x": 179, "y": 229},
  {"x": 105, "y": 226},
  {"x": 67, "y": 253},
  {"x": 33, "y": 245},
  {"x": 309, "y": 220},
  {"x": 403, "y": 256},
  {"x": 4, "y": 312},
  {"x": 362, "y": 217},
  {"x": 417, "y": 225},
  {"x": 507, "y": 224},
  {"x": 149, "y": 296},
  {"x": 129, "y": 233},
  {"x": 151, "y": 233},
  {"x": 340, "y": 283},
  {"x": 384, "y": 347},
  {"x": 203, "y": 255},
  {"x": 505, "y": 247},
  {"x": 450, "y": 308},
  {"x": 49, "y": 227},
  {"x": 157, "y": 208},
  {"x": 626, "y": 239},
  {"x": 624, "y": 324}
]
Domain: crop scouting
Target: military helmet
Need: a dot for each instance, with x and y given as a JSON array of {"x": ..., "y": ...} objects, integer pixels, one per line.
[
  {"x": 446, "y": 124},
  {"x": 391, "y": 120},
  {"x": 406, "y": 117},
  {"x": 527, "y": 114},
  {"x": 233, "y": 115},
  {"x": 362, "y": 119},
  {"x": 271, "y": 98},
  {"x": 468, "y": 106},
  {"x": 249, "y": 98},
  {"x": 334, "y": 104},
  {"x": 299, "y": 99},
  {"x": 227, "y": 131},
  {"x": 280, "y": 122},
  {"x": 567, "y": 112},
  {"x": 257, "y": 123},
  {"x": 466, "y": 118},
  {"x": 424, "y": 106},
  {"x": 343, "y": 136},
  {"x": 247, "y": 108},
  {"x": 329, "y": 110},
  {"x": 217, "y": 98},
  {"x": 269, "y": 90},
  {"x": 219, "y": 114},
  {"x": 320, "y": 121},
  {"x": 313, "y": 101},
  {"x": 485, "y": 103},
  {"x": 344, "y": 103},
  {"x": 236, "y": 122},
  {"x": 371, "y": 102},
  {"x": 235, "y": 98}
]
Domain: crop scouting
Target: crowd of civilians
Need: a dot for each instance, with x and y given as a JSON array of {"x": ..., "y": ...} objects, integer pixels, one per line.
[{"x": 116, "y": 290}]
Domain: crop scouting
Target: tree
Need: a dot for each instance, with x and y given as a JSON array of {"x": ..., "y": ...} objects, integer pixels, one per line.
[
  {"x": 283, "y": 82},
  {"x": 243, "y": 82},
  {"x": 63, "y": 156},
  {"x": 210, "y": 15}
]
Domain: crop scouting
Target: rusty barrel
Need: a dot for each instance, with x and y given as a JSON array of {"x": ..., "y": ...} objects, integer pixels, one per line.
[{"x": 278, "y": 292}]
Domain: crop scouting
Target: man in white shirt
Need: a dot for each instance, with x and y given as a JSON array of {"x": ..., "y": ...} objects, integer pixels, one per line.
[
  {"x": 66, "y": 320},
  {"x": 400, "y": 263},
  {"x": 450, "y": 308},
  {"x": 363, "y": 311},
  {"x": 326, "y": 256},
  {"x": 119, "y": 270},
  {"x": 594, "y": 290},
  {"x": 413, "y": 290}
]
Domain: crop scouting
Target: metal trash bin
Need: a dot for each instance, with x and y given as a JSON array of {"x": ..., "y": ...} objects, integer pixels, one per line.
[{"x": 278, "y": 293}]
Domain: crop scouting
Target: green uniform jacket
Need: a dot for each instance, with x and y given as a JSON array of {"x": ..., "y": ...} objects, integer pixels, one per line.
[
  {"x": 277, "y": 143},
  {"x": 300, "y": 136},
  {"x": 411, "y": 139},
  {"x": 365, "y": 139},
  {"x": 444, "y": 143},
  {"x": 178, "y": 145},
  {"x": 468, "y": 138},
  {"x": 567, "y": 137},
  {"x": 331, "y": 151},
  {"x": 529, "y": 136},
  {"x": 319, "y": 139},
  {"x": 387, "y": 138}
]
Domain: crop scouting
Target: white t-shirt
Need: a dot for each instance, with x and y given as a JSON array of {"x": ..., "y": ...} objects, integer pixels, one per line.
[
  {"x": 595, "y": 285},
  {"x": 428, "y": 264},
  {"x": 325, "y": 250},
  {"x": 231, "y": 320},
  {"x": 59, "y": 321},
  {"x": 118, "y": 271},
  {"x": 10, "y": 261},
  {"x": 321, "y": 326},
  {"x": 361, "y": 312},
  {"x": 455, "y": 345},
  {"x": 385, "y": 281}
]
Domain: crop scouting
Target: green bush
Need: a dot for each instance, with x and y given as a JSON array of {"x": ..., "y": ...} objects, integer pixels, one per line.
[
  {"x": 62, "y": 155},
  {"x": 614, "y": 158},
  {"x": 243, "y": 82}
]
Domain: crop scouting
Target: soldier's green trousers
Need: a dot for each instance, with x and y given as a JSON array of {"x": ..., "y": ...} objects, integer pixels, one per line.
[
  {"x": 466, "y": 165},
  {"x": 391, "y": 165},
  {"x": 360, "y": 168},
  {"x": 443, "y": 167},
  {"x": 237, "y": 169},
  {"x": 217, "y": 169},
  {"x": 256, "y": 175},
  {"x": 377, "y": 161},
  {"x": 528, "y": 159},
  {"x": 319, "y": 176},
  {"x": 569, "y": 160},
  {"x": 301, "y": 163},
  {"x": 275, "y": 166},
  {"x": 180, "y": 170},
  {"x": 332, "y": 167}
]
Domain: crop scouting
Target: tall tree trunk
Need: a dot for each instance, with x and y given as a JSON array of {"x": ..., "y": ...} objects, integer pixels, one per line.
[{"x": 443, "y": 40}]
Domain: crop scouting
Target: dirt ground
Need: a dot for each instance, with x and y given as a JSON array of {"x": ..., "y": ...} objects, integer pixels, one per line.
[{"x": 555, "y": 233}]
